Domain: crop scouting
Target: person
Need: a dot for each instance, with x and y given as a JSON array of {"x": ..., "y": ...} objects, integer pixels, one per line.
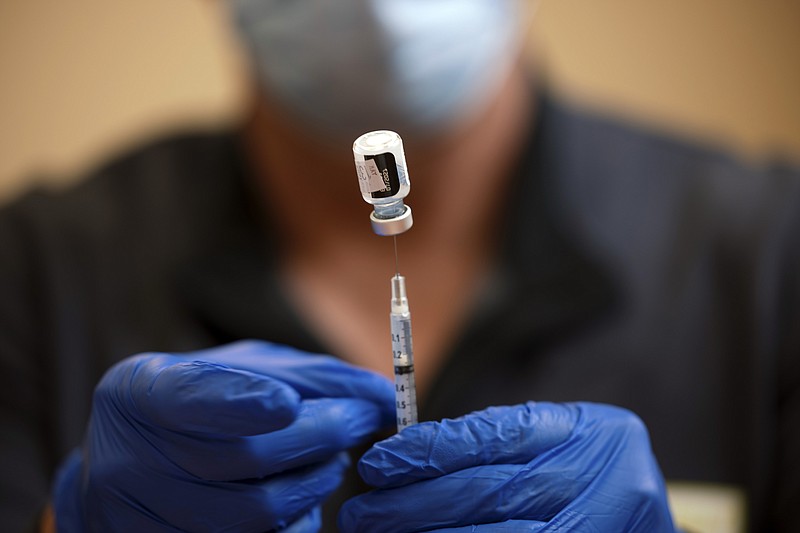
[{"x": 566, "y": 272}]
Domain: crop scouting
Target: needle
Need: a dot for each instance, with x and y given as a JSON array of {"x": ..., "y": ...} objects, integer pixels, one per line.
[{"x": 396, "y": 261}]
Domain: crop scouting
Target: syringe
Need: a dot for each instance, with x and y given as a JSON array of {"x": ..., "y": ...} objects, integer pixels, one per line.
[
  {"x": 384, "y": 182},
  {"x": 403, "y": 356}
]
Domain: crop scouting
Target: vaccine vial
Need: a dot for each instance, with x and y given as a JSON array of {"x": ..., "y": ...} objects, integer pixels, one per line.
[{"x": 383, "y": 180}]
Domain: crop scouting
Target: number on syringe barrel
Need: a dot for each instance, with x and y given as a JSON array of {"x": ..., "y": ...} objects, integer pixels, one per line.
[{"x": 401, "y": 340}]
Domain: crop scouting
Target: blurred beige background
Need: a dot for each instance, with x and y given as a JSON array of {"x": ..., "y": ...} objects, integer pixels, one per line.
[{"x": 84, "y": 78}]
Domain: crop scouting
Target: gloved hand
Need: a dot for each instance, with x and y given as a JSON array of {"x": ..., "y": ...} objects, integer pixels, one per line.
[
  {"x": 246, "y": 437},
  {"x": 533, "y": 467}
]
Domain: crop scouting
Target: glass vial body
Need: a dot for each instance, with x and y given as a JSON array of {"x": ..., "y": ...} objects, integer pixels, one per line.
[{"x": 382, "y": 172}]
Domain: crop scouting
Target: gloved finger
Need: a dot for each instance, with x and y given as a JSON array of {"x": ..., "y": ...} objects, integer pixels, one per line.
[
  {"x": 507, "y": 435},
  {"x": 255, "y": 505},
  {"x": 309, "y": 523},
  {"x": 478, "y": 495},
  {"x": 509, "y": 526},
  {"x": 66, "y": 495},
  {"x": 641, "y": 510},
  {"x": 322, "y": 429},
  {"x": 203, "y": 397},
  {"x": 312, "y": 375}
]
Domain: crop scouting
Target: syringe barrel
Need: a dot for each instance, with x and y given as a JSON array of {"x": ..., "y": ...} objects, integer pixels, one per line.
[
  {"x": 403, "y": 360},
  {"x": 405, "y": 398},
  {"x": 403, "y": 355}
]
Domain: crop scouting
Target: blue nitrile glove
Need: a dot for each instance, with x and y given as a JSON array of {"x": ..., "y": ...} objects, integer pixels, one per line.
[
  {"x": 246, "y": 437},
  {"x": 532, "y": 467}
]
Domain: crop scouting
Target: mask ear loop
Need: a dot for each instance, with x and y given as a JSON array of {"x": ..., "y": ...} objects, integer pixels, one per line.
[
  {"x": 531, "y": 10},
  {"x": 526, "y": 52}
]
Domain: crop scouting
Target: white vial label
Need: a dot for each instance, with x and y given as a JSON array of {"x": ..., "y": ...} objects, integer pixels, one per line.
[{"x": 369, "y": 177}]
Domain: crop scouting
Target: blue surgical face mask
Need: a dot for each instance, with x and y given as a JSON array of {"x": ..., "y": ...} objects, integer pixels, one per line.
[{"x": 349, "y": 66}]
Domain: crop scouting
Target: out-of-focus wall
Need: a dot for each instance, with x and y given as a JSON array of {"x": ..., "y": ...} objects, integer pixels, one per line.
[
  {"x": 83, "y": 78},
  {"x": 728, "y": 71}
]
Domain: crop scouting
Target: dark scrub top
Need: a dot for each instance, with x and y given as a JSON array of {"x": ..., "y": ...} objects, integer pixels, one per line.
[{"x": 633, "y": 269}]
